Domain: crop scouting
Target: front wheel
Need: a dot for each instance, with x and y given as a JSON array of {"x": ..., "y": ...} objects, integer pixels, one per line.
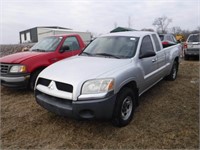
[
  {"x": 33, "y": 79},
  {"x": 124, "y": 108}
]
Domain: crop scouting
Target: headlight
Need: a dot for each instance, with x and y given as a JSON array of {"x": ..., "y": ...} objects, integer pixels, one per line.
[
  {"x": 18, "y": 69},
  {"x": 98, "y": 86}
]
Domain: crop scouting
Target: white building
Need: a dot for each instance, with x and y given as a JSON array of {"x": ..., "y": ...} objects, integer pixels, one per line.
[{"x": 34, "y": 35}]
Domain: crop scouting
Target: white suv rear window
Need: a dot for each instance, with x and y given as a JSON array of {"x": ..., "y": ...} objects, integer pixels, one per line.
[{"x": 194, "y": 38}]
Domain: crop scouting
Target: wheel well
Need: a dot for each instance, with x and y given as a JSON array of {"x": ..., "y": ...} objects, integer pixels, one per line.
[
  {"x": 133, "y": 86},
  {"x": 33, "y": 77},
  {"x": 40, "y": 68},
  {"x": 176, "y": 59}
]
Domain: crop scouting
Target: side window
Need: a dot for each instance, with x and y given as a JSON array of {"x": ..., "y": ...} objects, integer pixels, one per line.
[
  {"x": 168, "y": 38},
  {"x": 174, "y": 39},
  {"x": 156, "y": 42},
  {"x": 171, "y": 39},
  {"x": 146, "y": 45},
  {"x": 194, "y": 38},
  {"x": 72, "y": 42}
]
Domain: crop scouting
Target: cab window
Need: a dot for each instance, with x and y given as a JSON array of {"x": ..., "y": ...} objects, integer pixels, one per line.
[
  {"x": 146, "y": 45},
  {"x": 156, "y": 42},
  {"x": 72, "y": 42}
]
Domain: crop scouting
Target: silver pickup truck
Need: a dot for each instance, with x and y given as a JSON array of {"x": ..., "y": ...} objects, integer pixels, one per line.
[{"x": 107, "y": 78}]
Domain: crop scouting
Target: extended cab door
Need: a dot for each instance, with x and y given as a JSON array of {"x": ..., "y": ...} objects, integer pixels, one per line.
[
  {"x": 160, "y": 57},
  {"x": 148, "y": 64}
]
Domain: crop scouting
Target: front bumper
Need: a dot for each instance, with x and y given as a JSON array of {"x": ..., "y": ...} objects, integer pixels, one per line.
[
  {"x": 15, "y": 81},
  {"x": 87, "y": 109}
]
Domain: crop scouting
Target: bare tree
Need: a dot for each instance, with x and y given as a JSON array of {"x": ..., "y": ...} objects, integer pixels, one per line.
[
  {"x": 162, "y": 23},
  {"x": 186, "y": 33},
  {"x": 176, "y": 30},
  {"x": 151, "y": 30}
]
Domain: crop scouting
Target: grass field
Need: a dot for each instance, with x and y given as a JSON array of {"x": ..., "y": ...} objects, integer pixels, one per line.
[{"x": 167, "y": 117}]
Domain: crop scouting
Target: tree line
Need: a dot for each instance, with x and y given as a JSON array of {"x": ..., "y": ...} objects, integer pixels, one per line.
[{"x": 162, "y": 26}]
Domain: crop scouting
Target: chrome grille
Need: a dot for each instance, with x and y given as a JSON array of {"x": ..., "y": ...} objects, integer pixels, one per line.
[
  {"x": 64, "y": 87},
  {"x": 60, "y": 86},
  {"x": 43, "y": 81},
  {"x": 4, "y": 68}
]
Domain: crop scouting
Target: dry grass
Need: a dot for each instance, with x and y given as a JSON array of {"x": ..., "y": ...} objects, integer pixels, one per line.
[
  {"x": 13, "y": 48},
  {"x": 168, "y": 117}
]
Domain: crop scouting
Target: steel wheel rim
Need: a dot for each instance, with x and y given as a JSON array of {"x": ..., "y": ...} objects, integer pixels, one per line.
[{"x": 127, "y": 107}]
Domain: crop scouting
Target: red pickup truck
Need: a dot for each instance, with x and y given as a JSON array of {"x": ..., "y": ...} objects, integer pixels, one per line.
[{"x": 20, "y": 70}]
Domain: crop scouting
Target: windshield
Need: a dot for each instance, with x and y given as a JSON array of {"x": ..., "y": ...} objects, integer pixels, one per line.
[
  {"x": 47, "y": 44},
  {"x": 112, "y": 46},
  {"x": 194, "y": 38}
]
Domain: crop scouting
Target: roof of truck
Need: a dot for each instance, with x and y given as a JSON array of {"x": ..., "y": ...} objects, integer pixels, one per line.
[
  {"x": 130, "y": 33},
  {"x": 122, "y": 29},
  {"x": 65, "y": 35}
]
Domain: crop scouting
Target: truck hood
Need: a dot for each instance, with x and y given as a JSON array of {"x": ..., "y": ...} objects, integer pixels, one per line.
[
  {"x": 19, "y": 57},
  {"x": 78, "y": 69}
]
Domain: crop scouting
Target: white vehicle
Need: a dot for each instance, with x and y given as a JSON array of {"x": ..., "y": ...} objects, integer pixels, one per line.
[
  {"x": 192, "y": 46},
  {"x": 107, "y": 78}
]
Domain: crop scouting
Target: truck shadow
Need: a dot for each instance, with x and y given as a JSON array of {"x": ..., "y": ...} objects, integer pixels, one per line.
[{"x": 193, "y": 58}]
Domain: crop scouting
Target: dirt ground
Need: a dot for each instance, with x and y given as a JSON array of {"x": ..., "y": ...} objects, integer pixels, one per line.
[{"x": 168, "y": 117}]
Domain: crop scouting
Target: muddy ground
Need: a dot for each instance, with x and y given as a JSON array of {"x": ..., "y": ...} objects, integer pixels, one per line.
[{"x": 168, "y": 117}]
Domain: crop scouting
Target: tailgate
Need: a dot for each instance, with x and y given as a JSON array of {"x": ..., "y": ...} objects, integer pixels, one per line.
[{"x": 193, "y": 45}]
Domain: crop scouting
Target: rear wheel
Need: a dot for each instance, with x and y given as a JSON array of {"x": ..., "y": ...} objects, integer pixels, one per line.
[
  {"x": 173, "y": 74},
  {"x": 124, "y": 108},
  {"x": 33, "y": 79}
]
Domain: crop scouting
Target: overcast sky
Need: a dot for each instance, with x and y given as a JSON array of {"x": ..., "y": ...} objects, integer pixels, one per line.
[{"x": 97, "y": 16}]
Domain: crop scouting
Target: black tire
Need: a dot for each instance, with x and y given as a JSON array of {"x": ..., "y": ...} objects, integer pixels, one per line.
[
  {"x": 33, "y": 79},
  {"x": 173, "y": 74},
  {"x": 124, "y": 107}
]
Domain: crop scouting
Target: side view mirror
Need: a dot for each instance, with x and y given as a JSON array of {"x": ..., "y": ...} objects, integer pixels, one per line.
[
  {"x": 147, "y": 54},
  {"x": 64, "y": 48}
]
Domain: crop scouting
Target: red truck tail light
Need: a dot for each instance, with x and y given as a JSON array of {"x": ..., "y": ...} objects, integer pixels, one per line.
[
  {"x": 165, "y": 43},
  {"x": 185, "y": 45}
]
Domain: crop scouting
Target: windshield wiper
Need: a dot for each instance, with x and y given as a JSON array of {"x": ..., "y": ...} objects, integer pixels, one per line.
[
  {"x": 109, "y": 55},
  {"x": 86, "y": 53},
  {"x": 39, "y": 50}
]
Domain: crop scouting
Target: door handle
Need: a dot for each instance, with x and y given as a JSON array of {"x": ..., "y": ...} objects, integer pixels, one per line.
[{"x": 154, "y": 60}]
